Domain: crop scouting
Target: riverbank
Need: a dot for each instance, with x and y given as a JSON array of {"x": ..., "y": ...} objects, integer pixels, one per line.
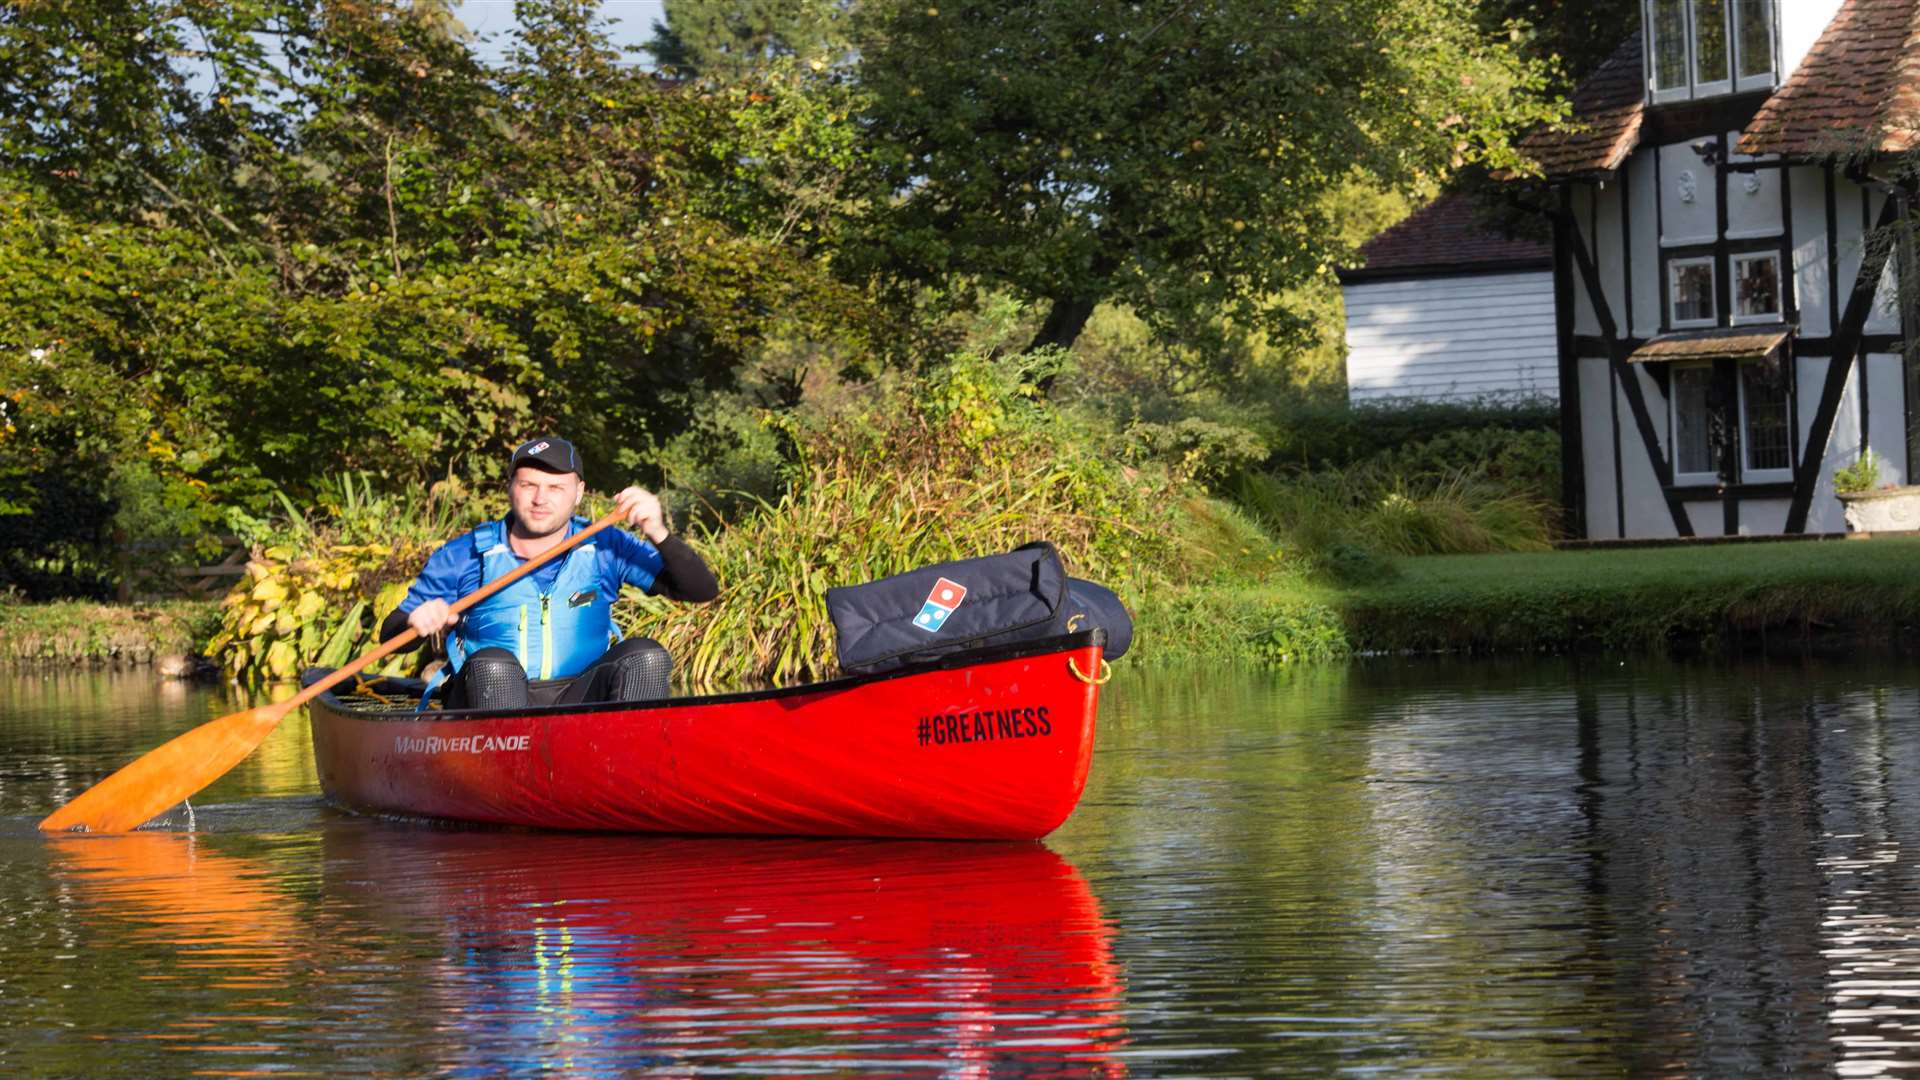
[
  {"x": 78, "y": 633},
  {"x": 1681, "y": 599},
  {"x": 1678, "y": 600}
]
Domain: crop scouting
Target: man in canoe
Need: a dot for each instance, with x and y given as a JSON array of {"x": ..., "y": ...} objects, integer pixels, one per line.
[{"x": 555, "y": 624}]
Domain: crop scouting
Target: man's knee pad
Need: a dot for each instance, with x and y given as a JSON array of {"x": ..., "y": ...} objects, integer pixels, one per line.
[
  {"x": 494, "y": 680},
  {"x": 646, "y": 671}
]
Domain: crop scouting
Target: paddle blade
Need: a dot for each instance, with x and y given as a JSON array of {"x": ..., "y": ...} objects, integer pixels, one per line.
[{"x": 167, "y": 774}]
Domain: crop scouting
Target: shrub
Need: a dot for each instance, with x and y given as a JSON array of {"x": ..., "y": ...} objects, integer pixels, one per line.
[
  {"x": 320, "y": 580},
  {"x": 1862, "y": 475},
  {"x": 1341, "y": 522},
  {"x": 964, "y": 460},
  {"x": 1341, "y": 435}
]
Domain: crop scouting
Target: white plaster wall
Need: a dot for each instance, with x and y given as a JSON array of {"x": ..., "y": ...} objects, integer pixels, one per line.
[
  {"x": 1800, "y": 24},
  {"x": 1642, "y": 200},
  {"x": 1448, "y": 337},
  {"x": 1810, "y": 249},
  {"x": 1608, "y": 255},
  {"x": 1687, "y": 206},
  {"x": 1646, "y": 507},
  {"x": 1584, "y": 320},
  {"x": 1849, "y": 242},
  {"x": 1886, "y": 407},
  {"x": 1753, "y": 199},
  {"x": 1843, "y": 447},
  {"x": 1764, "y": 517},
  {"x": 1884, "y": 318},
  {"x": 1596, "y": 442},
  {"x": 1708, "y": 518}
]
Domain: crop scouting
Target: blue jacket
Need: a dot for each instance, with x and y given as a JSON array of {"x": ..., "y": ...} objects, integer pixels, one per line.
[{"x": 557, "y": 620}]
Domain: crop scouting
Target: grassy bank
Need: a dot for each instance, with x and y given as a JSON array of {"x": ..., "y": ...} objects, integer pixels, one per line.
[
  {"x": 1663, "y": 599},
  {"x": 77, "y": 633},
  {"x": 1678, "y": 600}
]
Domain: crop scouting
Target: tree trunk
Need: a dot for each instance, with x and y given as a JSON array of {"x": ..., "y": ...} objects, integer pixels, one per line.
[{"x": 1065, "y": 319}]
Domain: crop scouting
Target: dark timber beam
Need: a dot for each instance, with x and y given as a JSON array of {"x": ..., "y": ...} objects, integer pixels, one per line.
[
  {"x": 1617, "y": 352},
  {"x": 1573, "y": 462},
  {"x": 1846, "y": 345}
]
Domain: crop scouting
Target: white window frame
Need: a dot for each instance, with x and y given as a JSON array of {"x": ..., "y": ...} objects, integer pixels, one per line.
[
  {"x": 1733, "y": 290},
  {"x": 1733, "y": 83},
  {"x": 1710, "y": 87},
  {"x": 1673, "y": 295},
  {"x": 1769, "y": 78},
  {"x": 1673, "y": 426},
  {"x": 1677, "y": 93},
  {"x": 1750, "y": 475}
]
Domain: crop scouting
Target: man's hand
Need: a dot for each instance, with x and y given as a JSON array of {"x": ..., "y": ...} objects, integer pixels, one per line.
[
  {"x": 432, "y": 617},
  {"x": 644, "y": 512}
]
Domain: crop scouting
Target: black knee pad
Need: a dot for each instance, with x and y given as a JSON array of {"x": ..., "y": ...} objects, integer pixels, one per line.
[
  {"x": 494, "y": 679},
  {"x": 645, "y": 671}
]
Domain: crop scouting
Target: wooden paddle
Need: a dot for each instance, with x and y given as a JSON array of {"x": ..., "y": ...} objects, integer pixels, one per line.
[{"x": 186, "y": 763}]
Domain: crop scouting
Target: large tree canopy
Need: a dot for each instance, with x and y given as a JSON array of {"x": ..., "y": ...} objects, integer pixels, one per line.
[
  {"x": 245, "y": 243},
  {"x": 1172, "y": 155}
]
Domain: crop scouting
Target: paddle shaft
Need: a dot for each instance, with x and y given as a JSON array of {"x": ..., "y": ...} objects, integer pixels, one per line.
[
  {"x": 410, "y": 635},
  {"x": 190, "y": 761}
]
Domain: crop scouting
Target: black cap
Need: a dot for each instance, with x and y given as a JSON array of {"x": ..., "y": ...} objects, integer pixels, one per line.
[{"x": 553, "y": 455}]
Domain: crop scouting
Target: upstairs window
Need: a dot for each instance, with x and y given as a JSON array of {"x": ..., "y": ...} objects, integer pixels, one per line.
[
  {"x": 1690, "y": 293},
  {"x": 1756, "y": 287},
  {"x": 1700, "y": 48}
]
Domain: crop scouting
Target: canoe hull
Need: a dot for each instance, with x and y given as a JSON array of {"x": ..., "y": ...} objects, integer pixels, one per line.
[{"x": 996, "y": 747}]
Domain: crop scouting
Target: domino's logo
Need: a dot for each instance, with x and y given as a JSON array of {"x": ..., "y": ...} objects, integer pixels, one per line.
[{"x": 941, "y": 602}]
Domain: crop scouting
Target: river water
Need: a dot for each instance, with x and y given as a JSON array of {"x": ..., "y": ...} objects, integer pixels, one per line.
[{"x": 1479, "y": 869}]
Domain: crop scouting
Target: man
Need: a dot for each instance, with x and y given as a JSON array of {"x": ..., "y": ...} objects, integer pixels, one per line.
[{"x": 554, "y": 625}]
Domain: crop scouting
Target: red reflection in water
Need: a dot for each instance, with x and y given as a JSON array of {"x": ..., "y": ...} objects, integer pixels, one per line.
[{"x": 596, "y": 953}]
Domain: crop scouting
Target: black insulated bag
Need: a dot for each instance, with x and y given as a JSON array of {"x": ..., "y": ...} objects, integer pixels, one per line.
[{"x": 952, "y": 607}]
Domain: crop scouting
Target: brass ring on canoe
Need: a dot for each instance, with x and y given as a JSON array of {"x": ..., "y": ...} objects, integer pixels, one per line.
[{"x": 1106, "y": 672}]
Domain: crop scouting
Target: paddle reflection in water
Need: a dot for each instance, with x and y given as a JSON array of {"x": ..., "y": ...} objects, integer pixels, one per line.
[
  {"x": 601, "y": 954},
  {"x": 230, "y": 937}
]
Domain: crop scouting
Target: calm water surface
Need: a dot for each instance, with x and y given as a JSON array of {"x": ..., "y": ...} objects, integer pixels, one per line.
[{"x": 1557, "y": 869}]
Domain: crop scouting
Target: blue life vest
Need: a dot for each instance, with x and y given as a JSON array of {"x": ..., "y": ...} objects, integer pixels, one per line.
[{"x": 555, "y": 633}]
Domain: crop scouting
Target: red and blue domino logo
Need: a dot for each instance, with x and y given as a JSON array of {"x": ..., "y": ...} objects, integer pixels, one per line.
[{"x": 941, "y": 602}]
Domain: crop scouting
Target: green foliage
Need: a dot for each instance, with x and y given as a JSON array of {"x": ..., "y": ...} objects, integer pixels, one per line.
[
  {"x": 1681, "y": 599},
  {"x": 1150, "y": 154},
  {"x": 1526, "y": 461},
  {"x": 963, "y": 460},
  {"x": 1195, "y": 449},
  {"x": 1338, "y": 435},
  {"x": 1344, "y": 521},
  {"x": 726, "y": 40},
  {"x": 320, "y": 580},
  {"x": 1862, "y": 475},
  {"x": 367, "y": 252}
]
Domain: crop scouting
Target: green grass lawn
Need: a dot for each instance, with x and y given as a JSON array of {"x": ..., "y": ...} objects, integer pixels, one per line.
[{"x": 1681, "y": 596}]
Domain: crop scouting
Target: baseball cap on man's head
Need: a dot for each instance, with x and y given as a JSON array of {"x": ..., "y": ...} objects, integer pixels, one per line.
[{"x": 550, "y": 454}]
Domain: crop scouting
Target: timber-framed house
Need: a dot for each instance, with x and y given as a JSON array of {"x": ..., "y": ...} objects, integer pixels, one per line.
[{"x": 1728, "y": 336}]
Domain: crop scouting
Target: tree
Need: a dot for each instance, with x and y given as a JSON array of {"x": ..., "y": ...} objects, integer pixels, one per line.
[
  {"x": 360, "y": 249},
  {"x": 1171, "y": 155},
  {"x": 724, "y": 39}
]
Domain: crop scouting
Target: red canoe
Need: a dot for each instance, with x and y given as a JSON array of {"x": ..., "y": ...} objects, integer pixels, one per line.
[{"x": 991, "y": 745}]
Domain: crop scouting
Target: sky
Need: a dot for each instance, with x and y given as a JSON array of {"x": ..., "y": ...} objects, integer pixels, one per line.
[{"x": 494, "y": 19}]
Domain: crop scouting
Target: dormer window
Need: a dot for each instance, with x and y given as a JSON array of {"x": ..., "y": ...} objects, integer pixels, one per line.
[{"x": 1701, "y": 48}]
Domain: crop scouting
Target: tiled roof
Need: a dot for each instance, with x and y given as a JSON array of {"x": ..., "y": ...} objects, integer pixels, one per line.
[
  {"x": 1710, "y": 344},
  {"x": 1858, "y": 88},
  {"x": 1607, "y": 109},
  {"x": 1446, "y": 233}
]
